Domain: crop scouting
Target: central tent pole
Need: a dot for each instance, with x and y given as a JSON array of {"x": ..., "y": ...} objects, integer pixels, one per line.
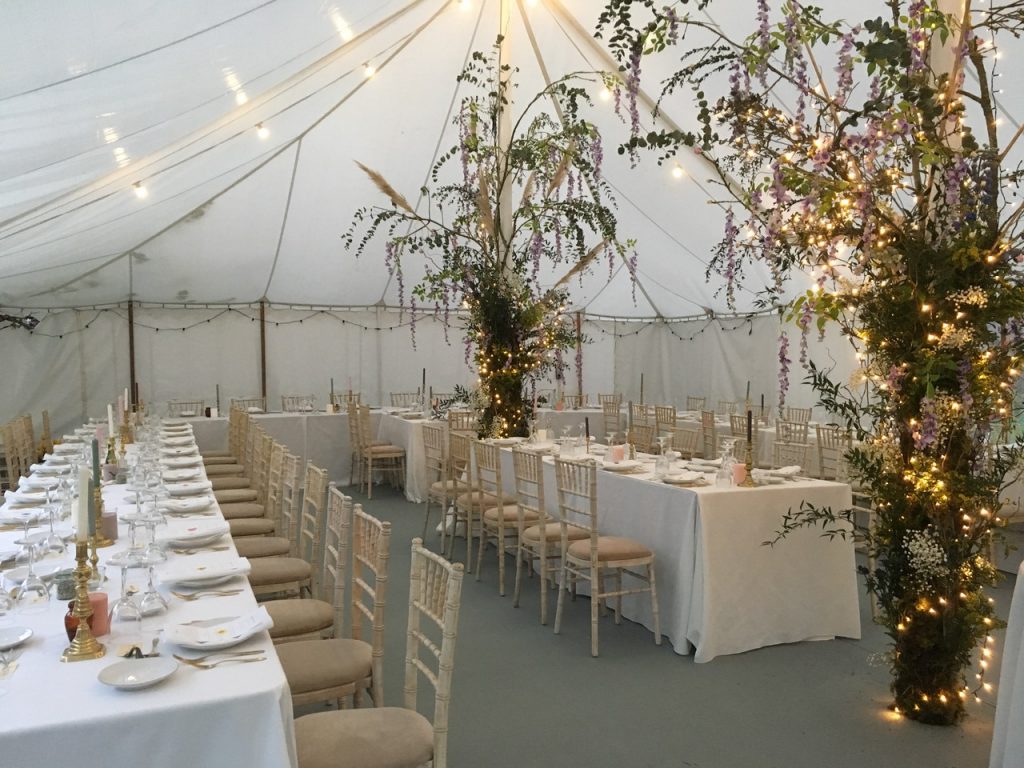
[
  {"x": 263, "y": 351},
  {"x": 579, "y": 356},
  {"x": 133, "y": 388}
]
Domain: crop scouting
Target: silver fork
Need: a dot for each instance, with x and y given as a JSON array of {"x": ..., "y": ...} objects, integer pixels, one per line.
[
  {"x": 206, "y": 593},
  {"x": 199, "y": 550},
  {"x": 218, "y": 662},
  {"x": 205, "y": 657}
]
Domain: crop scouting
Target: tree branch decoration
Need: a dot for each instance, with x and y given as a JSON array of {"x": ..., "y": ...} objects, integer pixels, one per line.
[
  {"x": 531, "y": 196},
  {"x": 868, "y": 176}
]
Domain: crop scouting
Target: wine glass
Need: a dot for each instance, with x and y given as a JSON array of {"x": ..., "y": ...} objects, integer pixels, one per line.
[
  {"x": 7, "y": 603},
  {"x": 33, "y": 594},
  {"x": 125, "y": 614},
  {"x": 152, "y": 601},
  {"x": 53, "y": 544}
]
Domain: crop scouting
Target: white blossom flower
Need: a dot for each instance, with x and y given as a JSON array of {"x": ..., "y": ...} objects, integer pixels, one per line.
[{"x": 927, "y": 558}]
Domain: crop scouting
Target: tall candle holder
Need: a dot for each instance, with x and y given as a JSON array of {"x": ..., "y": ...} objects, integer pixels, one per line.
[
  {"x": 748, "y": 481},
  {"x": 84, "y": 646},
  {"x": 126, "y": 435},
  {"x": 101, "y": 540}
]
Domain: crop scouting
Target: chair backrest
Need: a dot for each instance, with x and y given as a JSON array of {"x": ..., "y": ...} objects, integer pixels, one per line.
[
  {"x": 365, "y": 425},
  {"x": 685, "y": 441},
  {"x": 245, "y": 403},
  {"x": 791, "y": 431},
  {"x": 576, "y": 401},
  {"x": 355, "y": 434},
  {"x": 337, "y": 542},
  {"x": 641, "y": 436},
  {"x": 762, "y": 413},
  {"x": 435, "y": 593},
  {"x": 577, "y": 499},
  {"x": 726, "y": 407},
  {"x": 797, "y": 414},
  {"x": 709, "y": 439},
  {"x": 46, "y": 438},
  {"x": 28, "y": 444},
  {"x": 789, "y": 454},
  {"x": 529, "y": 470},
  {"x": 345, "y": 398},
  {"x": 405, "y": 399},
  {"x": 275, "y": 485},
  {"x": 640, "y": 414},
  {"x": 694, "y": 403},
  {"x": 311, "y": 519},
  {"x": 434, "y": 452},
  {"x": 488, "y": 467},
  {"x": 291, "y": 493},
  {"x": 463, "y": 421},
  {"x": 249, "y": 453},
  {"x": 738, "y": 427},
  {"x": 833, "y": 442},
  {"x": 262, "y": 469},
  {"x": 615, "y": 397},
  {"x": 371, "y": 547},
  {"x": 185, "y": 408},
  {"x": 612, "y": 417},
  {"x": 664, "y": 418},
  {"x": 459, "y": 453},
  {"x": 293, "y": 403}
]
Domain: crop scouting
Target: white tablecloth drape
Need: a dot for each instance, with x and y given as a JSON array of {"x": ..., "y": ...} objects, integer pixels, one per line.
[
  {"x": 60, "y": 714},
  {"x": 1008, "y": 735}
]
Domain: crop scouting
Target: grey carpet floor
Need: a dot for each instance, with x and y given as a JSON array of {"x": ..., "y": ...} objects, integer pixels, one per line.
[{"x": 524, "y": 696}]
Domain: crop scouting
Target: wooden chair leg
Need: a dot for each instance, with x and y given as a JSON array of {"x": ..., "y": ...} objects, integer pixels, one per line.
[
  {"x": 369, "y": 476},
  {"x": 654, "y": 604},
  {"x": 561, "y": 598},
  {"x": 520, "y": 555},
  {"x": 595, "y": 576},
  {"x": 544, "y": 575},
  {"x": 618, "y": 597},
  {"x": 480, "y": 548},
  {"x": 501, "y": 560}
]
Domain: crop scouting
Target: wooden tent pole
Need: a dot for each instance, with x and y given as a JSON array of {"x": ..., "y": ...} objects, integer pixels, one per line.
[
  {"x": 579, "y": 356},
  {"x": 263, "y": 350},
  {"x": 133, "y": 389}
]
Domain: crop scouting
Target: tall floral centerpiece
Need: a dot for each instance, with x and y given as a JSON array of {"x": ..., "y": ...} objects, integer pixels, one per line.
[
  {"x": 521, "y": 192},
  {"x": 866, "y": 174}
]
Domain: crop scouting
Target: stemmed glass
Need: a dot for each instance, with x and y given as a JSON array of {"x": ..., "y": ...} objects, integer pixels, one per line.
[
  {"x": 152, "y": 601},
  {"x": 125, "y": 614},
  {"x": 7, "y": 603},
  {"x": 33, "y": 594},
  {"x": 53, "y": 544}
]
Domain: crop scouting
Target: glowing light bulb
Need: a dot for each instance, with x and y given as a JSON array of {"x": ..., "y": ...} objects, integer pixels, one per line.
[
  {"x": 369, "y": 70},
  {"x": 262, "y": 131},
  {"x": 678, "y": 171},
  {"x": 140, "y": 191}
]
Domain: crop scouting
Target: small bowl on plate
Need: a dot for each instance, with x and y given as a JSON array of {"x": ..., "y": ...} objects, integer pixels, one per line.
[{"x": 134, "y": 674}]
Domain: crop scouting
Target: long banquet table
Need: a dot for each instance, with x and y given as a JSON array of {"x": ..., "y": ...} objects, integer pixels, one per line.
[
  {"x": 721, "y": 590},
  {"x": 1008, "y": 734},
  {"x": 60, "y": 714}
]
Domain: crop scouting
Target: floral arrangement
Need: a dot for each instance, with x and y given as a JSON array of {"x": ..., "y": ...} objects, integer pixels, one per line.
[
  {"x": 528, "y": 191},
  {"x": 876, "y": 186}
]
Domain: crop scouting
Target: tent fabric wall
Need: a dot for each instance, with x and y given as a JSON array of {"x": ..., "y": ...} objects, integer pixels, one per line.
[{"x": 76, "y": 361}]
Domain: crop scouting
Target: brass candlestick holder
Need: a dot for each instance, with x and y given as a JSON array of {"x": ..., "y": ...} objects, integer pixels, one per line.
[
  {"x": 84, "y": 646},
  {"x": 101, "y": 540},
  {"x": 126, "y": 435},
  {"x": 748, "y": 481}
]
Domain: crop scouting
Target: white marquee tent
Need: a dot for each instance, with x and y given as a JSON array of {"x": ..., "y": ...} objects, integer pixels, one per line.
[{"x": 197, "y": 159}]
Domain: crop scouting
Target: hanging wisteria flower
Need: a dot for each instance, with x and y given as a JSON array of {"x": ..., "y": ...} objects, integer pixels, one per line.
[
  {"x": 784, "y": 362},
  {"x": 926, "y": 434}
]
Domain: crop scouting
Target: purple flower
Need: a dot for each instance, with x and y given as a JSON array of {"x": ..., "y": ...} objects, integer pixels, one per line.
[
  {"x": 804, "y": 322},
  {"x": 845, "y": 68},
  {"x": 784, "y": 362},
  {"x": 926, "y": 435},
  {"x": 731, "y": 231},
  {"x": 597, "y": 154},
  {"x": 412, "y": 322},
  {"x": 764, "y": 41},
  {"x": 894, "y": 379}
]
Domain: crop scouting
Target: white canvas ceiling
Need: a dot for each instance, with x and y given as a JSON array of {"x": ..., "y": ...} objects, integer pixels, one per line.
[{"x": 98, "y": 97}]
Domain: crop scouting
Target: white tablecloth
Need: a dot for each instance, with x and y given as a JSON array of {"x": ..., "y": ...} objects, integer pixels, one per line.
[
  {"x": 408, "y": 433},
  {"x": 60, "y": 714},
  {"x": 719, "y": 588},
  {"x": 1008, "y": 735}
]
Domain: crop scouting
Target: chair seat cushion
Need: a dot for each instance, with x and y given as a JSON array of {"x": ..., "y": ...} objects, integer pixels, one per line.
[
  {"x": 234, "y": 495},
  {"x": 609, "y": 548},
  {"x": 262, "y": 546},
  {"x": 267, "y": 571},
  {"x": 316, "y": 665},
  {"x": 242, "y": 509},
  {"x": 385, "y": 450},
  {"x": 553, "y": 532},
  {"x": 509, "y": 513},
  {"x": 481, "y": 498},
  {"x": 211, "y": 459},
  {"x": 229, "y": 483},
  {"x": 440, "y": 486},
  {"x": 224, "y": 470},
  {"x": 293, "y": 618},
  {"x": 251, "y": 526},
  {"x": 382, "y": 737}
]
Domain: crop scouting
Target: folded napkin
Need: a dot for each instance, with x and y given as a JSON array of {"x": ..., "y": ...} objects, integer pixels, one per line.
[
  {"x": 72, "y": 439},
  {"x": 50, "y": 469},
  {"x": 19, "y": 516},
  {"x": 707, "y": 462},
  {"x": 179, "y": 451},
  {"x": 186, "y": 504},
  {"x": 190, "y": 488},
  {"x": 253, "y": 409},
  {"x": 764, "y": 477},
  {"x": 175, "y": 475},
  {"x": 790, "y": 471},
  {"x": 224, "y": 634},
  {"x": 684, "y": 478},
  {"x": 203, "y": 567},
  {"x": 183, "y": 440},
  {"x": 35, "y": 496},
  {"x": 55, "y": 460},
  {"x": 191, "y": 530},
  {"x": 38, "y": 483}
]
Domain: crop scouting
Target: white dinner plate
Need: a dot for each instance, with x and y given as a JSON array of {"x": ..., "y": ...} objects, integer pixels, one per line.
[
  {"x": 194, "y": 542},
  {"x": 185, "y": 505},
  {"x": 133, "y": 674},
  {"x": 7, "y": 554},
  {"x": 19, "y": 516},
  {"x": 192, "y": 488},
  {"x": 223, "y": 634},
  {"x": 177, "y": 475},
  {"x": 182, "y": 462},
  {"x": 12, "y": 637},
  {"x": 626, "y": 465}
]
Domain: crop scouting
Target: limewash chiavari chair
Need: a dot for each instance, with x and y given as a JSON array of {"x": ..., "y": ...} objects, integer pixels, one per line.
[
  {"x": 445, "y": 486},
  {"x": 790, "y": 454},
  {"x": 250, "y": 545},
  {"x": 335, "y": 668},
  {"x": 694, "y": 403},
  {"x": 469, "y": 505},
  {"x": 235, "y": 424},
  {"x": 405, "y": 399},
  {"x": 403, "y": 738},
  {"x": 575, "y": 402},
  {"x": 499, "y": 521},
  {"x": 228, "y": 489},
  {"x": 664, "y": 420},
  {"x": 791, "y": 431},
  {"x": 251, "y": 404},
  {"x": 256, "y": 518},
  {"x": 345, "y": 399},
  {"x": 463, "y": 422},
  {"x": 639, "y": 414},
  {"x": 539, "y": 536},
  {"x": 615, "y": 398},
  {"x": 641, "y": 437},
  {"x": 864, "y": 506},
  {"x": 709, "y": 437},
  {"x": 686, "y": 442},
  {"x": 46, "y": 437},
  {"x": 27, "y": 445},
  {"x": 390, "y": 458},
  {"x": 738, "y": 428},
  {"x": 255, "y": 481},
  {"x": 612, "y": 418},
  {"x": 726, "y": 407},
  {"x": 797, "y": 414},
  {"x": 597, "y": 559},
  {"x": 833, "y": 442},
  {"x": 296, "y": 575},
  {"x": 185, "y": 408},
  {"x": 286, "y": 523},
  {"x": 298, "y": 403},
  {"x": 322, "y": 615}
]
